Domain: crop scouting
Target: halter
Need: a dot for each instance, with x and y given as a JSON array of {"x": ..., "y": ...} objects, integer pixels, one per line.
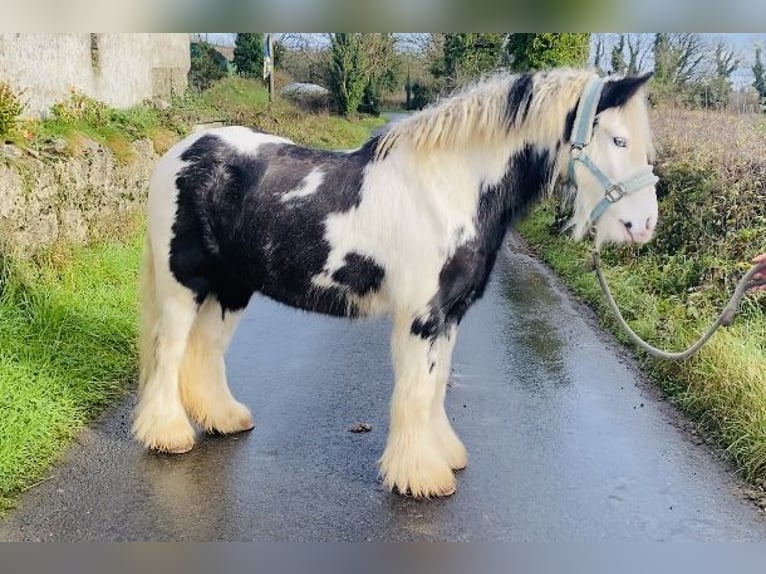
[
  {"x": 582, "y": 133},
  {"x": 613, "y": 192}
]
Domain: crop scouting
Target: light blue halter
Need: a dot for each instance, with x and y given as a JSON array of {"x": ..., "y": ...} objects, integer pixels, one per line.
[{"x": 582, "y": 133}]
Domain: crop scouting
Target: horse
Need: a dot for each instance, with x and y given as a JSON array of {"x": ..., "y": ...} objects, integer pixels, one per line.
[{"x": 406, "y": 226}]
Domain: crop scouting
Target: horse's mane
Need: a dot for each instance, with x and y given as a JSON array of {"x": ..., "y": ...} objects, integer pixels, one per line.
[{"x": 482, "y": 112}]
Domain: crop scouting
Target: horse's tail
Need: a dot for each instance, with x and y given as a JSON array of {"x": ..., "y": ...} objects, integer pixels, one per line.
[{"x": 148, "y": 317}]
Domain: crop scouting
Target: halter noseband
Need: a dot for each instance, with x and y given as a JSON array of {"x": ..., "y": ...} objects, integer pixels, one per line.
[{"x": 582, "y": 133}]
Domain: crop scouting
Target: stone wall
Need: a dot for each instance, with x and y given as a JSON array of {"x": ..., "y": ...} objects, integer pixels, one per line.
[
  {"x": 70, "y": 199},
  {"x": 120, "y": 70}
]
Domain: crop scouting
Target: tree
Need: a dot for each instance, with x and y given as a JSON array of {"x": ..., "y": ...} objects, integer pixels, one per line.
[
  {"x": 599, "y": 52},
  {"x": 418, "y": 55},
  {"x": 638, "y": 50},
  {"x": 304, "y": 58},
  {"x": 362, "y": 67},
  {"x": 760, "y": 76},
  {"x": 348, "y": 70},
  {"x": 384, "y": 69},
  {"x": 618, "y": 56},
  {"x": 662, "y": 58},
  {"x": 422, "y": 95},
  {"x": 718, "y": 85},
  {"x": 408, "y": 91},
  {"x": 467, "y": 56},
  {"x": 248, "y": 54},
  {"x": 280, "y": 51},
  {"x": 207, "y": 65},
  {"x": 678, "y": 58},
  {"x": 678, "y": 65},
  {"x": 547, "y": 50}
]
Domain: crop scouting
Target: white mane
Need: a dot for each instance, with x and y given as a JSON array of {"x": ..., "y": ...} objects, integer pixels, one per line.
[{"x": 479, "y": 114}]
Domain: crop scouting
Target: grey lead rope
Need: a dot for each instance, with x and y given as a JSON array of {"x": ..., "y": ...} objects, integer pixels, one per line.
[{"x": 725, "y": 318}]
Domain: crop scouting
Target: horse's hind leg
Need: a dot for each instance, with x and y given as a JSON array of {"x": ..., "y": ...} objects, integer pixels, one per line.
[
  {"x": 452, "y": 447},
  {"x": 414, "y": 460},
  {"x": 168, "y": 311},
  {"x": 204, "y": 391}
]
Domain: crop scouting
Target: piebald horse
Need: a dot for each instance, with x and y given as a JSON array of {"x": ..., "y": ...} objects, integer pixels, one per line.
[{"x": 408, "y": 226}]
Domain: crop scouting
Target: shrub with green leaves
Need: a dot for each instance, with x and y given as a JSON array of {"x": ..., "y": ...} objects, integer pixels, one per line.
[
  {"x": 713, "y": 203},
  {"x": 81, "y": 108},
  {"x": 10, "y": 109}
]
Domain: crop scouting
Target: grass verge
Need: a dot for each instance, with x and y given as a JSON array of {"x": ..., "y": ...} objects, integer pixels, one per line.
[
  {"x": 67, "y": 331},
  {"x": 245, "y": 102}
]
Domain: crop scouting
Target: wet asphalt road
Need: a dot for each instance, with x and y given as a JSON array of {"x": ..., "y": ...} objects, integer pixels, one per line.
[{"x": 565, "y": 442}]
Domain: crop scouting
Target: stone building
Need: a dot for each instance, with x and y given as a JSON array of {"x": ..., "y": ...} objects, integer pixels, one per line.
[{"x": 120, "y": 70}]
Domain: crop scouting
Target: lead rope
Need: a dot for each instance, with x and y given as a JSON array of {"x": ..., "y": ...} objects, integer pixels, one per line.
[{"x": 726, "y": 318}]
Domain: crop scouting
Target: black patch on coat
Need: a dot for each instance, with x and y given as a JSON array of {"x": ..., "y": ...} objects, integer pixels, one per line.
[
  {"x": 430, "y": 326},
  {"x": 371, "y": 145},
  {"x": 233, "y": 235},
  {"x": 569, "y": 123},
  {"x": 519, "y": 99},
  {"x": 616, "y": 93},
  {"x": 464, "y": 276},
  {"x": 360, "y": 274}
]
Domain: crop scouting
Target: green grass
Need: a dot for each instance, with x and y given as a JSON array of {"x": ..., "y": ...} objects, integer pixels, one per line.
[
  {"x": 67, "y": 332},
  {"x": 246, "y": 102},
  {"x": 116, "y": 131},
  {"x": 68, "y": 316},
  {"x": 724, "y": 386},
  {"x": 232, "y": 100},
  {"x": 237, "y": 93}
]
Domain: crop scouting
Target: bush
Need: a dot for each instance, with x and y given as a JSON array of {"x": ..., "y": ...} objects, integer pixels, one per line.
[
  {"x": 422, "y": 95},
  {"x": 10, "y": 110},
  {"x": 713, "y": 206},
  {"x": 81, "y": 108},
  {"x": 308, "y": 97},
  {"x": 207, "y": 66},
  {"x": 370, "y": 103}
]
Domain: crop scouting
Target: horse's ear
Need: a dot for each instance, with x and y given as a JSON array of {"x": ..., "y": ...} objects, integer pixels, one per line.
[{"x": 616, "y": 93}]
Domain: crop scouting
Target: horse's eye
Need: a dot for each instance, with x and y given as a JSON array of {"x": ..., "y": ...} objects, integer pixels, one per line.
[{"x": 620, "y": 142}]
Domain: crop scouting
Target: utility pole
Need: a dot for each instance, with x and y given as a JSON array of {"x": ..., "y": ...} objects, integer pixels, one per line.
[{"x": 268, "y": 63}]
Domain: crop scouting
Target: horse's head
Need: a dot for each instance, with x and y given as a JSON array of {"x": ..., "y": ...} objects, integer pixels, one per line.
[{"x": 608, "y": 160}]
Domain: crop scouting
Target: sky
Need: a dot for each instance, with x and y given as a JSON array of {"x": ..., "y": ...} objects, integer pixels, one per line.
[{"x": 742, "y": 43}]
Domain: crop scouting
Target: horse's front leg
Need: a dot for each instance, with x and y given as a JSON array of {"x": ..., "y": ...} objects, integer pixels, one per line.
[
  {"x": 451, "y": 445},
  {"x": 415, "y": 460}
]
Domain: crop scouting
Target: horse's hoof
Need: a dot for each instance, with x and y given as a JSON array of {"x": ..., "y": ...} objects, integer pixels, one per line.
[
  {"x": 421, "y": 495},
  {"x": 418, "y": 472},
  {"x": 236, "y": 418},
  {"x": 178, "y": 449},
  {"x": 175, "y": 436},
  {"x": 218, "y": 432},
  {"x": 180, "y": 445}
]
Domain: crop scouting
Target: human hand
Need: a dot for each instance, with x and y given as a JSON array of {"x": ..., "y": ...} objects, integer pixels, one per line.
[{"x": 761, "y": 275}]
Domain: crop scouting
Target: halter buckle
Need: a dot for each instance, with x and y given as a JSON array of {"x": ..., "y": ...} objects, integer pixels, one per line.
[{"x": 614, "y": 193}]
